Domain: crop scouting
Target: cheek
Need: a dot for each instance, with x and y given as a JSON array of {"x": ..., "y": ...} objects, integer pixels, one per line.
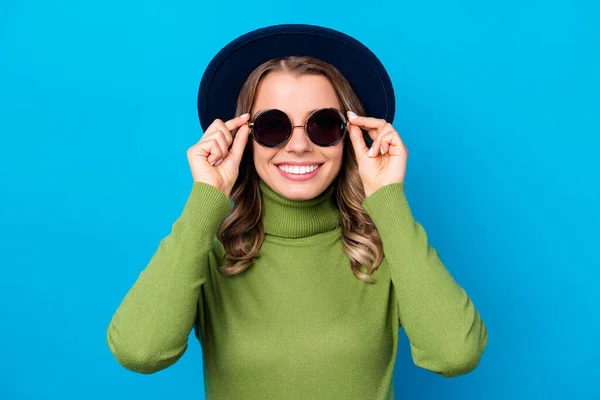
[
  {"x": 336, "y": 156},
  {"x": 261, "y": 155},
  {"x": 338, "y": 153}
]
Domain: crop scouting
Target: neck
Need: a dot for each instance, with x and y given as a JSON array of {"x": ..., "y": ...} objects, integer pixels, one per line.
[{"x": 298, "y": 218}]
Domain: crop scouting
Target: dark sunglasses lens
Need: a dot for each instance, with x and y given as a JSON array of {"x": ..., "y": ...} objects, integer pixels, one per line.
[
  {"x": 326, "y": 127},
  {"x": 272, "y": 128}
]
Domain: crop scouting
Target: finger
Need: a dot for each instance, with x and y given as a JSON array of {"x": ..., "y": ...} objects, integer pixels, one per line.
[
  {"x": 366, "y": 122},
  {"x": 380, "y": 146},
  {"x": 385, "y": 147},
  {"x": 375, "y": 149},
  {"x": 239, "y": 142},
  {"x": 391, "y": 142},
  {"x": 385, "y": 143},
  {"x": 223, "y": 145},
  {"x": 222, "y": 130},
  {"x": 358, "y": 141},
  {"x": 216, "y": 145},
  {"x": 209, "y": 147},
  {"x": 237, "y": 122},
  {"x": 211, "y": 129}
]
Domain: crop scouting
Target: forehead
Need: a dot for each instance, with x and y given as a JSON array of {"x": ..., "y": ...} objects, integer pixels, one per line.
[{"x": 295, "y": 94}]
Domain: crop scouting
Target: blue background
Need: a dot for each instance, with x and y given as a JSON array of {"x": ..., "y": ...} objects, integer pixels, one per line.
[{"x": 498, "y": 103}]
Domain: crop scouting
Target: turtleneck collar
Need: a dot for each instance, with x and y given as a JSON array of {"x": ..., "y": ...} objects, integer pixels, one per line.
[{"x": 298, "y": 218}]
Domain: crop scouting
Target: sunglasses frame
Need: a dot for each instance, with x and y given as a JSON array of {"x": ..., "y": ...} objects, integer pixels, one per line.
[{"x": 305, "y": 126}]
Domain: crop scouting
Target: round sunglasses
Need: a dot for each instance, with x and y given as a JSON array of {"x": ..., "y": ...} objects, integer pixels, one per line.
[{"x": 273, "y": 128}]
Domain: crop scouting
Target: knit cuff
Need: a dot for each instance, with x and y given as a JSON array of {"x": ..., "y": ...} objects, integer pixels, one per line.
[
  {"x": 389, "y": 209},
  {"x": 206, "y": 207}
]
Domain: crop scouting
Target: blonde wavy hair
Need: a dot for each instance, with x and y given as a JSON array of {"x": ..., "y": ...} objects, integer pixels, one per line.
[{"x": 242, "y": 232}]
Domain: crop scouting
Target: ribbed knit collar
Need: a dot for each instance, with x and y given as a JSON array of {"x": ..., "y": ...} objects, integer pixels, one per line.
[{"x": 298, "y": 218}]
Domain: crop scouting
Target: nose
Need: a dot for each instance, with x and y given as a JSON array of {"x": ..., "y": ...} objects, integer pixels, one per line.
[{"x": 299, "y": 142}]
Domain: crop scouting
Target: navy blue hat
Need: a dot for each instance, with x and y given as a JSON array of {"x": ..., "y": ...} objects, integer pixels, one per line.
[{"x": 227, "y": 71}]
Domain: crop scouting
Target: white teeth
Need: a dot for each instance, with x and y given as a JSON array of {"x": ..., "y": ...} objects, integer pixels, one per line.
[{"x": 298, "y": 170}]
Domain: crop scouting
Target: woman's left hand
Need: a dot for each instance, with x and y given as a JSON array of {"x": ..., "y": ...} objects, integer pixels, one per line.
[{"x": 387, "y": 163}]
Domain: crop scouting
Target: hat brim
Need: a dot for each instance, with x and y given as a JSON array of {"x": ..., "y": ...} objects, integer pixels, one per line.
[{"x": 227, "y": 71}]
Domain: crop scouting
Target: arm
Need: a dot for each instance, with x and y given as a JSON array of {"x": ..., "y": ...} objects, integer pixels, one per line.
[
  {"x": 150, "y": 329},
  {"x": 446, "y": 332}
]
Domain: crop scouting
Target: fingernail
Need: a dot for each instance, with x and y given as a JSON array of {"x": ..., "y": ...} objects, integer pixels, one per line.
[
  {"x": 244, "y": 115},
  {"x": 218, "y": 162},
  {"x": 381, "y": 149},
  {"x": 351, "y": 115},
  {"x": 371, "y": 152}
]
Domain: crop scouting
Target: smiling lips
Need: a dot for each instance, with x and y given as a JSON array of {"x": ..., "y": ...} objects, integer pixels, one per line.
[
  {"x": 298, "y": 169},
  {"x": 299, "y": 172}
]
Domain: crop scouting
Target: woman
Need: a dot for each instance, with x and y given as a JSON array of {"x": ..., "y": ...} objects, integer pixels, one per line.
[{"x": 296, "y": 258}]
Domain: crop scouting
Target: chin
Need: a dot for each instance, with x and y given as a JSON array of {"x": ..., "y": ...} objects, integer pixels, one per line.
[
  {"x": 298, "y": 191},
  {"x": 301, "y": 194}
]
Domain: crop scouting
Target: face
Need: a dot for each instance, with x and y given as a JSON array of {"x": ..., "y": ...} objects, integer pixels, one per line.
[{"x": 297, "y": 96}]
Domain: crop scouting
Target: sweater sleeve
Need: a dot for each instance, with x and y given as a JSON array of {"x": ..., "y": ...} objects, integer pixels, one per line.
[
  {"x": 445, "y": 331},
  {"x": 150, "y": 328}
]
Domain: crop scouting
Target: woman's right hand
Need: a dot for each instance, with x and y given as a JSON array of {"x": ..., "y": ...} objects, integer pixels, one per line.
[{"x": 212, "y": 161}]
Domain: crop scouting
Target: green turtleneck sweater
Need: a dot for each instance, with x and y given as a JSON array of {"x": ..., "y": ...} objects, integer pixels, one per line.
[{"x": 297, "y": 324}]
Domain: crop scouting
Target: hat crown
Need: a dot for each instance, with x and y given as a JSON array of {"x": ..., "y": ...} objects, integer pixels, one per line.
[{"x": 229, "y": 68}]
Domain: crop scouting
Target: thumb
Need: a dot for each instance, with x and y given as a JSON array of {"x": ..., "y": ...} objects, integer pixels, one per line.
[
  {"x": 358, "y": 141},
  {"x": 239, "y": 142}
]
